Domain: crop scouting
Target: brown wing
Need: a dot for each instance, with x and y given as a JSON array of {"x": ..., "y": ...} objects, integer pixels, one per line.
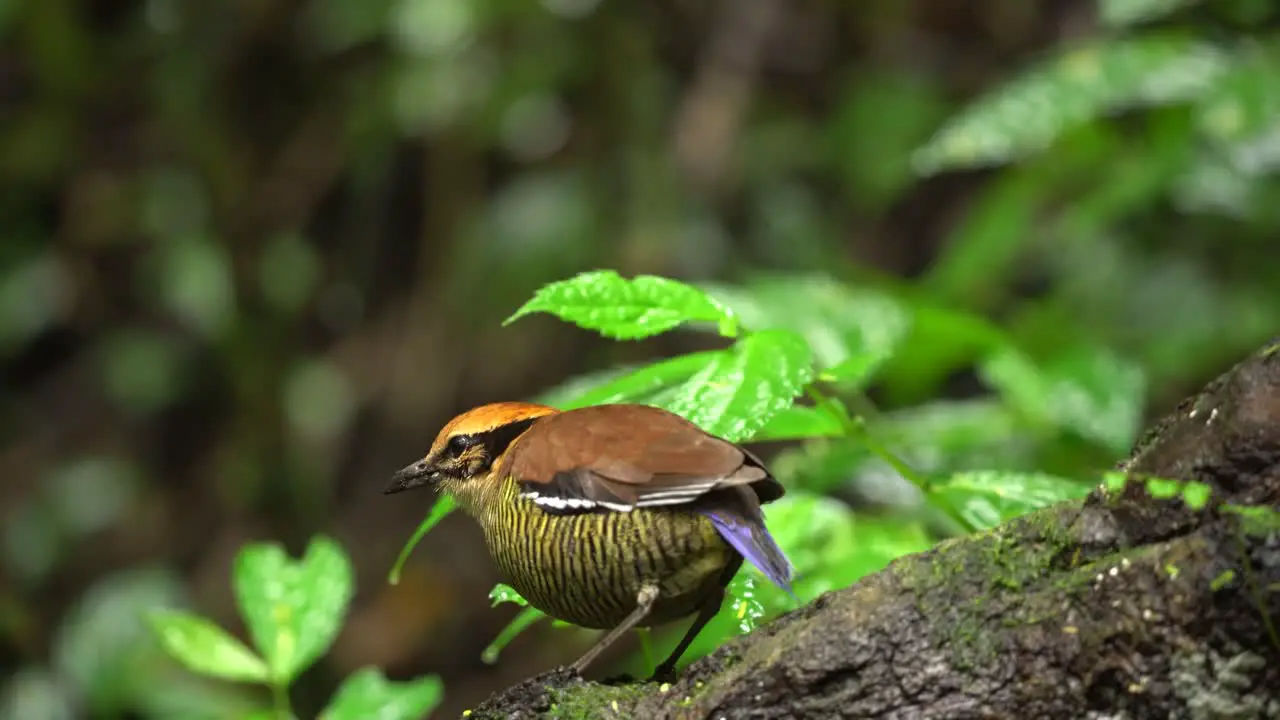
[{"x": 620, "y": 457}]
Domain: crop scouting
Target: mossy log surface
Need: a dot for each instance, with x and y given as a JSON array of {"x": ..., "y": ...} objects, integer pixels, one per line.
[{"x": 1119, "y": 606}]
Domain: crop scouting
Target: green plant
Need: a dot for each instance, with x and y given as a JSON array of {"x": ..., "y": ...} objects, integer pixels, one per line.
[
  {"x": 800, "y": 351},
  {"x": 1134, "y": 168},
  {"x": 293, "y": 611}
]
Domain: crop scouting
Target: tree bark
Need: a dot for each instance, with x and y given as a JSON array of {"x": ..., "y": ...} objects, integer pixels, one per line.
[{"x": 1118, "y": 606}]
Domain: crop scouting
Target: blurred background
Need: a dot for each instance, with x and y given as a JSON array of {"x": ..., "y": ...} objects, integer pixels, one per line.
[{"x": 253, "y": 254}]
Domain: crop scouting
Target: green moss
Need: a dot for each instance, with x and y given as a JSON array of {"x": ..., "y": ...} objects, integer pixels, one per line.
[
  {"x": 955, "y": 584},
  {"x": 585, "y": 702}
]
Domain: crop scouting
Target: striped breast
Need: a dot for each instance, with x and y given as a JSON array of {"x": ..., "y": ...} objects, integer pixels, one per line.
[{"x": 586, "y": 568}]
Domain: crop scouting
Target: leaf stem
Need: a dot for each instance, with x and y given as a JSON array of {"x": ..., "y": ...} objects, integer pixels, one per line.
[
  {"x": 855, "y": 426},
  {"x": 646, "y": 649},
  {"x": 280, "y": 700}
]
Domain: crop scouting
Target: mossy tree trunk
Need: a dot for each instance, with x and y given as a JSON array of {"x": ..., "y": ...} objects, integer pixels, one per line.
[{"x": 1120, "y": 606}]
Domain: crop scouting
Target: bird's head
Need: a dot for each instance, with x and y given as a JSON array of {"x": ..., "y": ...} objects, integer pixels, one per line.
[{"x": 467, "y": 447}]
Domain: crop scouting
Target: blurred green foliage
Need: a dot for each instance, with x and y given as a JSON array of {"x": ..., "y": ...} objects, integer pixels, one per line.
[
  {"x": 293, "y": 610},
  {"x": 253, "y": 252}
]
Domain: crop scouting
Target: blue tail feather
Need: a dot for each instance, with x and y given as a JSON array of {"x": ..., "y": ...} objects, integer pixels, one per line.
[{"x": 754, "y": 542}]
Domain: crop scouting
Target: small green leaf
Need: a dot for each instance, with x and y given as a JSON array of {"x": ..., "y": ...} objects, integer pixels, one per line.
[
  {"x": 205, "y": 648},
  {"x": 1162, "y": 489},
  {"x": 643, "y": 384},
  {"x": 445, "y": 504},
  {"x": 851, "y": 331},
  {"x": 737, "y": 393},
  {"x": 1196, "y": 495},
  {"x": 293, "y": 609},
  {"x": 798, "y": 422},
  {"x": 368, "y": 695},
  {"x": 1123, "y": 13},
  {"x": 624, "y": 309},
  {"x": 1083, "y": 83},
  {"x": 1115, "y": 481},
  {"x": 984, "y": 499},
  {"x": 503, "y": 593},
  {"x": 521, "y": 622},
  {"x": 1089, "y": 391}
]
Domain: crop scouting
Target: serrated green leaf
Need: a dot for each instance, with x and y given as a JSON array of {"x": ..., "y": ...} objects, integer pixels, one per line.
[
  {"x": 622, "y": 309},
  {"x": 851, "y": 331},
  {"x": 985, "y": 499},
  {"x": 1089, "y": 391},
  {"x": 643, "y": 384},
  {"x": 1081, "y": 84},
  {"x": 503, "y": 593},
  {"x": 368, "y": 695},
  {"x": 205, "y": 648},
  {"x": 293, "y": 609},
  {"x": 738, "y": 392},
  {"x": 799, "y": 422},
  {"x": 444, "y": 505},
  {"x": 1123, "y": 13}
]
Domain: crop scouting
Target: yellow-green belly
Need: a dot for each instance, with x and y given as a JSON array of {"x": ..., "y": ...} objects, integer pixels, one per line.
[{"x": 587, "y": 569}]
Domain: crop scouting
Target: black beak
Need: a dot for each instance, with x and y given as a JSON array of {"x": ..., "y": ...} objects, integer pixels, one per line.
[{"x": 415, "y": 475}]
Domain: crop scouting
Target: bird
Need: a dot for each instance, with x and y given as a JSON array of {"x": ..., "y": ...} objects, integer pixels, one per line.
[{"x": 611, "y": 517}]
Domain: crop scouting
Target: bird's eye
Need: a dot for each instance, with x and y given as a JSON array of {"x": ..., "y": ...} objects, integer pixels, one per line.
[{"x": 458, "y": 444}]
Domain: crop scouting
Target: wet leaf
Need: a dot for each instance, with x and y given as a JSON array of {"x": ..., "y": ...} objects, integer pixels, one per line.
[
  {"x": 736, "y": 394},
  {"x": 503, "y": 593},
  {"x": 623, "y": 309},
  {"x": 293, "y": 608}
]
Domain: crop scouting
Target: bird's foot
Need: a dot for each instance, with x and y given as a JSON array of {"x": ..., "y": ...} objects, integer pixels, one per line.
[
  {"x": 622, "y": 679},
  {"x": 663, "y": 674}
]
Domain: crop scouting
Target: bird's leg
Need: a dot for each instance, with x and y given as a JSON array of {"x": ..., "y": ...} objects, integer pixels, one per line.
[
  {"x": 645, "y": 599},
  {"x": 710, "y": 607}
]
